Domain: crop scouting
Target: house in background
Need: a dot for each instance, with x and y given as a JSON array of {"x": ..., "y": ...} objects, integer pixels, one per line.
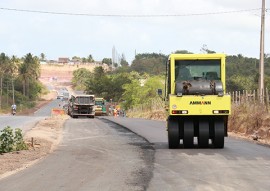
[
  {"x": 75, "y": 61},
  {"x": 63, "y": 60},
  {"x": 43, "y": 61}
]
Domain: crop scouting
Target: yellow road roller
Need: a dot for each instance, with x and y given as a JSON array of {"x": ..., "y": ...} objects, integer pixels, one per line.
[{"x": 196, "y": 99}]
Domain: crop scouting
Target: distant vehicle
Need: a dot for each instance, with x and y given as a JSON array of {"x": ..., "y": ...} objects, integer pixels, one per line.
[
  {"x": 60, "y": 97},
  {"x": 100, "y": 108},
  {"x": 81, "y": 105},
  {"x": 65, "y": 95}
]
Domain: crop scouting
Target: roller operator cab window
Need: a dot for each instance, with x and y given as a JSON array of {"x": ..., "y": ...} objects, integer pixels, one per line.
[{"x": 186, "y": 70}]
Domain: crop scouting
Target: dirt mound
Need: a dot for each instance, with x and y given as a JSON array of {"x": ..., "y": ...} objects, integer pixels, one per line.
[{"x": 60, "y": 73}]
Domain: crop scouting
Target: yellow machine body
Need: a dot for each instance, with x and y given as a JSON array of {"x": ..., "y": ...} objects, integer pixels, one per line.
[
  {"x": 196, "y": 100},
  {"x": 198, "y": 104}
]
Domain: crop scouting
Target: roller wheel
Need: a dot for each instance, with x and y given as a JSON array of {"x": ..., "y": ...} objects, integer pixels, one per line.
[
  {"x": 188, "y": 134},
  {"x": 219, "y": 134},
  {"x": 173, "y": 133},
  {"x": 203, "y": 137}
]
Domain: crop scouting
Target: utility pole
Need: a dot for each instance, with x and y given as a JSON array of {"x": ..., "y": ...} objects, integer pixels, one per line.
[{"x": 261, "y": 67}]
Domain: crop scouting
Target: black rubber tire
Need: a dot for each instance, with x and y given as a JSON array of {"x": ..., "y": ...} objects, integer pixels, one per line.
[
  {"x": 219, "y": 134},
  {"x": 188, "y": 134},
  {"x": 173, "y": 134},
  {"x": 203, "y": 137}
]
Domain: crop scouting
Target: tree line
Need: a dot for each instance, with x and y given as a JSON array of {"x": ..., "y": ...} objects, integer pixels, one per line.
[
  {"x": 129, "y": 88},
  {"x": 137, "y": 83},
  {"x": 131, "y": 84},
  {"x": 19, "y": 80}
]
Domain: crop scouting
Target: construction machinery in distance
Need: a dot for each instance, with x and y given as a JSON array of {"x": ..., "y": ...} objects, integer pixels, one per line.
[
  {"x": 100, "y": 107},
  {"x": 196, "y": 100},
  {"x": 81, "y": 105}
]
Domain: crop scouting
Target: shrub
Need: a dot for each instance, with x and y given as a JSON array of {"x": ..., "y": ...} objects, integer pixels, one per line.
[
  {"x": 6, "y": 139},
  {"x": 10, "y": 142},
  {"x": 19, "y": 143}
]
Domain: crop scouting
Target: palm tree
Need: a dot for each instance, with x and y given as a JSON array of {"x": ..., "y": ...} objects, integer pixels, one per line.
[
  {"x": 90, "y": 58},
  {"x": 42, "y": 56},
  {"x": 24, "y": 75},
  {"x": 14, "y": 62},
  {"x": 4, "y": 63},
  {"x": 29, "y": 69}
]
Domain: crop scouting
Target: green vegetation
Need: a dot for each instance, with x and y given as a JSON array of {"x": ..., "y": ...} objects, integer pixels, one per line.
[
  {"x": 141, "y": 91},
  {"x": 80, "y": 77},
  {"x": 19, "y": 79},
  {"x": 243, "y": 72},
  {"x": 131, "y": 85},
  {"x": 153, "y": 64},
  {"x": 135, "y": 85},
  {"x": 125, "y": 85},
  {"x": 10, "y": 141}
]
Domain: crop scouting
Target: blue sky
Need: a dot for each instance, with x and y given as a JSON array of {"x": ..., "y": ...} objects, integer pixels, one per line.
[{"x": 71, "y": 35}]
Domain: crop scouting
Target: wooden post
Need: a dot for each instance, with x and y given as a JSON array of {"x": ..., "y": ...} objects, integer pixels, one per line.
[
  {"x": 263, "y": 96},
  {"x": 239, "y": 97},
  {"x": 258, "y": 95},
  {"x": 245, "y": 96},
  {"x": 267, "y": 95},
  {"x": 32, "y": 142},
  {"x": 267, "y": 99},
  {"x": 254, "y": 96}
]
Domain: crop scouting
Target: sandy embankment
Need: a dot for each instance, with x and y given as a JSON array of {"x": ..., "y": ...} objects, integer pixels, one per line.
[{"x": 42, "y": 139}]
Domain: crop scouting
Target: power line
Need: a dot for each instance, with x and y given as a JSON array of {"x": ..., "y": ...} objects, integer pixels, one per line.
[{"x": 127, "y": 15}]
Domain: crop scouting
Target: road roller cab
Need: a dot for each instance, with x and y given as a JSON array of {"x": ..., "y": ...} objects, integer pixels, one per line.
[{"x": 195, "y": 95}]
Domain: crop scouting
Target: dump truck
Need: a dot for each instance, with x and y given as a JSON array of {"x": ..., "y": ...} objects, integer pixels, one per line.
[
  {"x": 196, "y": 100},
  {"x": 100, "y": 108},
  {"x": 81, "y": 105}
]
